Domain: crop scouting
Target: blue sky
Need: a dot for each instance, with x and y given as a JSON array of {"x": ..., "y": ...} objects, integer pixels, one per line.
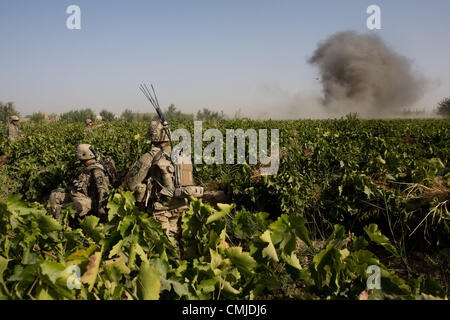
[{"x": 221, "y": 54}]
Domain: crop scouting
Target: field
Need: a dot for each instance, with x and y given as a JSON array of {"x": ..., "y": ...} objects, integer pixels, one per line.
[{"x": 349, "y": 194}]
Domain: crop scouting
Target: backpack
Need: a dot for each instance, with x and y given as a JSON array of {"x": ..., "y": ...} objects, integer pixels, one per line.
[
  {"x": 184, "y": 180},
  {"x": 110, "y": 170}
]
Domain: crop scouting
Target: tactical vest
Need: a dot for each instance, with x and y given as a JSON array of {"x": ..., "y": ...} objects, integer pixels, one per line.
[
  {"x": 171, "y": 182},
  {"x": 85, "y": 183}
]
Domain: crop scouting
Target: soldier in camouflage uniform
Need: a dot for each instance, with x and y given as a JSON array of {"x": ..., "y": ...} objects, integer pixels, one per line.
[
  {"x": 90, "y": 126},
  {"x": 90, "y": 190},
  {"x": 152, "y": 178},
  {"x": 12, "y": 130}
]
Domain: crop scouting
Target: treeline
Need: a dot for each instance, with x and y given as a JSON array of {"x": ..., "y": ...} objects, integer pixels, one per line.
[{"x": 171, "y": 113}]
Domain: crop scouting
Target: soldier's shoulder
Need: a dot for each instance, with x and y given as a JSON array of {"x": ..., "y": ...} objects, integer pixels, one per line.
[
  {"x": 149, "y": 155},
  {"x": 95, "y": 167}
]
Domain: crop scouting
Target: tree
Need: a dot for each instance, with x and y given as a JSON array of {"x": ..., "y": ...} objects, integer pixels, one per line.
[
  {"x": 173, "y": 114},
  {"x": 107, "y": 115},
  {"x": 127, "y": 115},
  {"x": 78, "y": 115},
  {"x": 443, "y": 108},
  {"x": 147, "y": 116},
  {"x": 207, "y": 114},
  {"x": 7, "y": 110},
  {"x": 38, "y": 117}
]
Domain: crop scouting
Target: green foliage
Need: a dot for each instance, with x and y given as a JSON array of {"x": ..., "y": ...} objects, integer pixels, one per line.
[
  {"x": 443, "y": 108},
  {"x": 207, "y": 114},
  {"x": 77, "y": 115},
  {"x": 130, "y": 116},
  {"x": 130, "y": 257},
  {"x": 38, "y": 117},
  {"x": 172, "y": 114},
  {"x": 7, "y": 110},
  {"x": 377, "y": 179},
  {"x": 107, "y": 115}
]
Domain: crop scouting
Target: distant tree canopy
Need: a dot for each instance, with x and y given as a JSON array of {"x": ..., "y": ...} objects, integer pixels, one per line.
[
  {"x": 7, "y": 110},
  {"x": 207, "y": 114},
  {"x": 443, "y": 108},
  {"x": 129, "y": 115},
  {"x": 38, "y": 117},
  {"x": 173, "y": 114},
  {"x": 107, "y": 115},
  {"x": 78, "y": 115}
]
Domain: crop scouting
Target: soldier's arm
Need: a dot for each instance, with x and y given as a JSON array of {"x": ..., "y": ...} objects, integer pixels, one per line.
[
  {"x": 101, "y": 183},
  {"x": 140, "y": 169},
  {"x": 138, "y": 174}
]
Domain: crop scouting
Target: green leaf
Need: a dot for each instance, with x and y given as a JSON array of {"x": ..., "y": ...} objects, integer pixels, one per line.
[
  {"x": 338, "y": 234},
  {"x": 141, "y": 253},
  {"x": 299, "y": 224},
  {"x": 208, "y": 285},
  {"x": 376, "y": 236},
  {"x": 27, "y": 274},
  {"x": 43, "y": 294},
  {"x": 15, "y": 204},
  {"x": 360, "y": 243},
  {"x": 82, "y": 254},
  {"x": 292, "y": 260},
  {"x": 269, "y": 251},
  {"x": 217, "y": 215},
  {"x": 433, "y": 287},
  {"x": 216, "y": 259},
  {"x": 113, "y": 207},
  {"x": 368, "y": 192},
  {"x": 181, "y": 289},
  {"x": 279, "y": 228},
  {"x": 3, "y": 266},
  {"x": 116, "y": 267},
  {"x": 126, "y": 222},
  {"x": 89, "y": 225},
  {"x": 148, "y": 283},
  {"x": 228, "y": 288},
  {"x": 49, "y": 224},
  {"x": 244, "y": 262},
  {"x": 53, "y": 270},
  {"x": 116, "y": 249}
]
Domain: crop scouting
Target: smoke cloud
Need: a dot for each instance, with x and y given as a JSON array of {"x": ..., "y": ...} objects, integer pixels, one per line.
[{"x": 360, "y": 73}]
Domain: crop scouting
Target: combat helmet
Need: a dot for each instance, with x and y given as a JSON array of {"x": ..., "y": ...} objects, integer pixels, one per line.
[
  {"x": 84, "y": 152},
  {"x": 156, "y": 132},
  {"x": 14, "y": 118},
  {"x": 88, "y": 121}
]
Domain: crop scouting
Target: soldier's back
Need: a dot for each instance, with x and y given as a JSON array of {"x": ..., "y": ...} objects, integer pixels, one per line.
[{"x": 13, "y": 132}]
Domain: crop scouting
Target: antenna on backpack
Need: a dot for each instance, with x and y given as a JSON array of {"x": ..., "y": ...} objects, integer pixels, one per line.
[{"x": 94, "y": 152}]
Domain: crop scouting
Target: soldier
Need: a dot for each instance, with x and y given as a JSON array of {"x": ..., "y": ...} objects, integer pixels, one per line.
[
  {"x": 12, "y": 130},
  {"x": 152, "y": 181},
  {"x": 90, "y": 126},
  {"x": 90, "y": 190}
]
